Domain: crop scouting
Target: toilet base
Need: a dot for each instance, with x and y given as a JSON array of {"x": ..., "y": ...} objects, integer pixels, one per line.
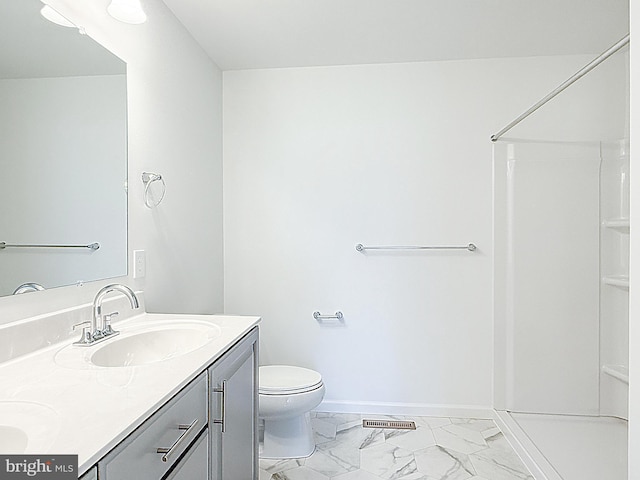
[{"x": 288, "y": 438}]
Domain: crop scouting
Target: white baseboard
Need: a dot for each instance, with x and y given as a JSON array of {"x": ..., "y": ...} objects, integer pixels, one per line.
[{"x": 419, "y": 409}]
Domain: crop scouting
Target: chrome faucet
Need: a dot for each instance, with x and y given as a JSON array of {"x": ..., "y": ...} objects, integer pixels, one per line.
[{"x": 100, "y": 325}]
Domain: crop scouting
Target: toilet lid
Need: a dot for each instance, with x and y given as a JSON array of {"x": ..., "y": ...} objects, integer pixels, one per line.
[{"x": 282, "y": 379}]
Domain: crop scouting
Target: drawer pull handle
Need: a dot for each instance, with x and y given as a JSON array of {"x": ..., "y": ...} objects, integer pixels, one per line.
[
  {"x": 223, "y": 391},
  {"x": 187, "y": 430}
]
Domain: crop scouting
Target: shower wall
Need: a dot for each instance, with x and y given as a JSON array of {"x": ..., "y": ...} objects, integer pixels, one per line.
[
  {"x": 614, "y": 266},
  {"x": 548, "y": 263},
  {"x": 561, "y": 252}
]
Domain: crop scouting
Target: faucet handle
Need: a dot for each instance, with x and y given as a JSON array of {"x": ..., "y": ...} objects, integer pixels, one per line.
[
  {"x": 86, "y": 337},
  {"x": 106, "y": 322}
]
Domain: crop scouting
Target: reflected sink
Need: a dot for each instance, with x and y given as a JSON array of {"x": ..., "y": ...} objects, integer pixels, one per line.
[{"x": 154, "y": 345}]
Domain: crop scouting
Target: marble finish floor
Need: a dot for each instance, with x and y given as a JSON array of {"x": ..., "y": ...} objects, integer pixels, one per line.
[{"x": 439, "y": 449}]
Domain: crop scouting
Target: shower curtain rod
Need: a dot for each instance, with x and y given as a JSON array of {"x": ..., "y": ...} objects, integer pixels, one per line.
[{"x": 577, "y": 76}]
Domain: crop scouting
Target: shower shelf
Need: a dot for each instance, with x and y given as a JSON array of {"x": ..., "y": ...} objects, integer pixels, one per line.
[
  {"x": 617, "y": 371},
  {"x": 617, "y": 223},
  {"x": 616, "y": 280}
]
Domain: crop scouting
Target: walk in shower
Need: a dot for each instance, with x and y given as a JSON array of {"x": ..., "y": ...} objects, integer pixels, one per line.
[{"x": 561, "y": 236}]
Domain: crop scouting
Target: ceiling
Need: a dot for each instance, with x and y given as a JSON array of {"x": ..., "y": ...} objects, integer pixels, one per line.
[{"x": 247, "y": 34}]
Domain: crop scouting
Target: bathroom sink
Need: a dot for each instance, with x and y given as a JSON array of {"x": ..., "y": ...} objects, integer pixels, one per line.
[
  {"x": 27, "y": 427},
  {"x": 141, "y": 342},
  {"x": 13, "y": 439},
  {"x": 153, "y": 345}
]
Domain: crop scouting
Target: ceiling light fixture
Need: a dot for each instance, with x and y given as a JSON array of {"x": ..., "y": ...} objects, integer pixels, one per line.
[
  {"x": 53, "y": 16},
  {"x": 127, "y": 11}
]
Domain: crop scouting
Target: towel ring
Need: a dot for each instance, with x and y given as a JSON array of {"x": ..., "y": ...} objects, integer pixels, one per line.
[{"x": 148, "y": 179}]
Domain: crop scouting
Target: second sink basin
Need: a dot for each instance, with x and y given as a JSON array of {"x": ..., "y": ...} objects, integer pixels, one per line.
[
  {"x": 13, "y": 439},
  {"x": 27, "y": 427}
]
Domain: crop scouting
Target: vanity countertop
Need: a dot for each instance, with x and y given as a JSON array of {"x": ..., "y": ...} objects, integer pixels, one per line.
[{"x": 66, "y": 405}]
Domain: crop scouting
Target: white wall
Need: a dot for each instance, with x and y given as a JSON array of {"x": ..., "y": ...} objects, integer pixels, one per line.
[
  {"x": 174, "y": 112},
  {"x": 319, "y": 159}
]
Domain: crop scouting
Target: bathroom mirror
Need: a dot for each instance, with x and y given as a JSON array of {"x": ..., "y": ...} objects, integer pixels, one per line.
[{"x": 63, "y": 153}]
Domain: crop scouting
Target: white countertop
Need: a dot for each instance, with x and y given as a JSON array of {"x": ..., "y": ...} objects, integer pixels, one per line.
[{"x": 68, "y": 406}]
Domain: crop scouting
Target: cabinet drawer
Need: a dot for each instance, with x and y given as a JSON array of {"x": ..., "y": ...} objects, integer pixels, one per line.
[
  {"x": 172, "y": 428},
  {"x": 194, "y": 465}
]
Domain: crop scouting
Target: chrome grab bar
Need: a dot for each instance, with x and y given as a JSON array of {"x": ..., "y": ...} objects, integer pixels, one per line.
[
  {"x": 187, "y": 430},
  {"x": 91, "y": 246},
  {"x": 471, "y": 247},
  {"x": 319, "y": 316}
]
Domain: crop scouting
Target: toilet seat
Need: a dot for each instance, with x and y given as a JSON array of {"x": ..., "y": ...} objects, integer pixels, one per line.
[{"x": 287, "y": 380}]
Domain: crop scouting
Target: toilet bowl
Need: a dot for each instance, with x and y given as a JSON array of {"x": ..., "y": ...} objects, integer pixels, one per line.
[{"x": 286, "y": 396}]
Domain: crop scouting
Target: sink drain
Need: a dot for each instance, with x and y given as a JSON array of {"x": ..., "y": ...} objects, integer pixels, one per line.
[{"x": 396, "y": 424}]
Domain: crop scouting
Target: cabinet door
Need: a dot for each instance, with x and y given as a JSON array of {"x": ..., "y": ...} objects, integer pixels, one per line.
[
  {"x": 193, "y": 466},
  {"x": 234, "y": 412}
]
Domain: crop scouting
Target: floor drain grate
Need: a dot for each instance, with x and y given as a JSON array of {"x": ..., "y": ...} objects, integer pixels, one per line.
[{"x": 397, "y": 424}]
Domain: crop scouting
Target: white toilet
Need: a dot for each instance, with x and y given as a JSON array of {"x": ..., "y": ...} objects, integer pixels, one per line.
[{"x": 286, "y": 396}]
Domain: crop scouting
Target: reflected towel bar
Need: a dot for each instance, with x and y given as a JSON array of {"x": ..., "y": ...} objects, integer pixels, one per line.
[
  {"x": 91, "y": 246},
  {"x": 471, "y": 247}
]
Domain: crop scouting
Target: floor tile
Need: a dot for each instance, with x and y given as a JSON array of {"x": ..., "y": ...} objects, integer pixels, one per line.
[
  {"x": 344, "y": 450},
  {"x": 479, "y": 425},
  {"x": 431, "y": 422},
  {"x": 439, "y": 449},
  {"x": 323, "y": 431},
  {"x": 499, "y": 461},
  {"x": 263, "y": 475},
  {"x": 387, "y": 461},
  {"x": 274, "y": 466},
  {"x": 411, "y": 439},
  {"x": 357, "y": 475},
  {"x": 300, "y": 473},
  {"x": 329, "y": 464},
  {"x": 441, "y": 463},
  {"x": 342, "y": 421},
  {"x": 460, "y": 439}
]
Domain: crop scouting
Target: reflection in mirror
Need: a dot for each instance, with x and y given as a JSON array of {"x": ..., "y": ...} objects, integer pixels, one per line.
[{"x": 63, "y": 147}]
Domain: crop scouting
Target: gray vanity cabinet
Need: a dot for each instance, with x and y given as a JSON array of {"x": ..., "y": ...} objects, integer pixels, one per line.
[
  {"x": 90, "y": 475},
  {"x": 194, "y": 465},
  {"x": 207, "y": 431},
  {"x": 173, "y": 441},
  {"x": 233, "y": 422}
]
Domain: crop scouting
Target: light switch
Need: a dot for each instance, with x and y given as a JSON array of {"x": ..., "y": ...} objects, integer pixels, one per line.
[{"x": 139, "y": 264}]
